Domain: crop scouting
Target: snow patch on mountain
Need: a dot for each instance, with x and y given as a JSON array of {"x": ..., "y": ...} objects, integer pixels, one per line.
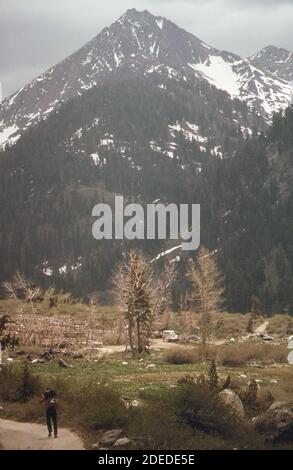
[
  {"x": 8, "y": 135},
  {"x": 219, "y": 73},
  {"x": 189, "y": 130},
  {"x": 160, "y": 22}
]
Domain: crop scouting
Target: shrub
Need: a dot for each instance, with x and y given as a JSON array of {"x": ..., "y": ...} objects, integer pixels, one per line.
[
  {"x": 156, "y": 427},
  {"x": 213, "y": 378},
  {"x": 31, "y": 411},
  {"x": 18, "y": 384},
  {"x": 93, "y": 406},
  {"x": 280, "y": 325},
  {"x": 181, "y": 356},
  {"x": 187, "y": 380},
  {"x": 239, "y": 354},
  {"x": 198, "y": 407},
  {"x": 256, "y": 401}
]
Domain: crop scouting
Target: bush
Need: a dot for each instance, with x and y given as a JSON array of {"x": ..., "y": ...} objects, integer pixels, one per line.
[
  {"x": 157, "y": 428},
  {"x": 18, "y": 384},
  {"x": 256, "y": 401},
  {"x": 237, "y": 355},
  {"x": 280, "y": 325},
  {"x": 198, "y": 407},
  {"x": 93, "y": 406},
  {"x": 31, "y": 411},
  {"x": 181, "y": 356}
]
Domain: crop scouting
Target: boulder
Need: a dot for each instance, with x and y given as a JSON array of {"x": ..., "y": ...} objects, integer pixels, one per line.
[
  {"x": 63, "y": 364},
  {"x": 76, "y": 355},
  {"x": 232, "y": 400},
  {"x": 123, "y": 442},
  {"x": 110, "y": 437},
  {"x": 277, "y": 422},
  {"x": 265, "y": 337}
]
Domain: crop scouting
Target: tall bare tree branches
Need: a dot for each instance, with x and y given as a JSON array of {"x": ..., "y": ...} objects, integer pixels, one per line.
[
  {"x": 208, "y": 289},
  {"x": 140, "y": 296},
  {"x": 20, "y": 288}
]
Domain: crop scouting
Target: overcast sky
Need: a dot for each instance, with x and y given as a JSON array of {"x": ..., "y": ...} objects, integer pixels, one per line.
[{"x": 35, "y": 34}]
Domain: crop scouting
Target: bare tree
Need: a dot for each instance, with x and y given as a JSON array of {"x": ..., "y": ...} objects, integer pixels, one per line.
[
  {"x": 161, "y": 293},
  {"x": 141, "y": 297},
  {"x": 20, "y": 288},
  {"x": 208, "y": 284}
]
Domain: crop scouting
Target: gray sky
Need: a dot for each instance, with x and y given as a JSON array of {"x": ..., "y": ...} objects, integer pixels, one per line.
[{"x": 35, "y": 34}]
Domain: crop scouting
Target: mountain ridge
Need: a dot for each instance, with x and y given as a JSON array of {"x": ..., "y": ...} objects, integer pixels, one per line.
[{"x": 144, "y": 44}]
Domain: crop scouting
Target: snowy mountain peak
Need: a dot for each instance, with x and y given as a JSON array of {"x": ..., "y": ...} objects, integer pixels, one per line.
[
  {"x": 142, "y": 44},
  {"x": 278, "y": 61}
]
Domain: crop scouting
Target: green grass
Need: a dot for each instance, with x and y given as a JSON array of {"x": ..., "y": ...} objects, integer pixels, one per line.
[
  {"x": 131, "y": 379},
  {"x": 128, "y": 379}
]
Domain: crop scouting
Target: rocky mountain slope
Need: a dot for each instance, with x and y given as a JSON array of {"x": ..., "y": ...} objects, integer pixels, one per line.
[{"x": 275, "y": 60}]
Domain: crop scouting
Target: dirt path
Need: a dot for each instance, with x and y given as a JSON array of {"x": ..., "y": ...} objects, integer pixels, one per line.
[
  {"x": 154, "y": 343},
  {"x": 26, "y": 436}
]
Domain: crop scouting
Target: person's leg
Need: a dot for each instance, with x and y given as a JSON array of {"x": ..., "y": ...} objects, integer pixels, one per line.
[
  {"x": 55, "y": 423},
  {"x": 49, "y": 424}
]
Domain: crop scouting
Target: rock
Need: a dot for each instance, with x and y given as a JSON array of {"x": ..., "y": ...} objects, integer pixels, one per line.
[
  {"x": 109, "y": 437},
  {"x": 96, "y": 446},
  {"x": 125, "y": 363},
  {"x": 21, "y": 352},
  {"x": 257, "y": 365},
  {"x": 231, "y": 399},
  {"x": 135, "y": 403},
  {"x": 151, "y": 366},
  {"x": 77, "y": 355},
  {"x": 64, "y": 364},
  {"x": 1, "y": 408},
  {"x": 290, "y": 358},
  {"x": 259, "y": 381},
  {"x": 47, "y": 355},
  {"x": 277, "y": 422},
  {"x": 124, "y": 442},
  {"x": 265, "y": 337}
]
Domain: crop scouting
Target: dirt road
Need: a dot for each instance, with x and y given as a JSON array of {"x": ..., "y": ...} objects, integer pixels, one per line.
[{"x": 26, "y": 436}]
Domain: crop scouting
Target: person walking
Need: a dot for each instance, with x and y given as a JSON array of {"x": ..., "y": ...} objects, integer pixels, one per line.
[{"x": 51, "y": 402}]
